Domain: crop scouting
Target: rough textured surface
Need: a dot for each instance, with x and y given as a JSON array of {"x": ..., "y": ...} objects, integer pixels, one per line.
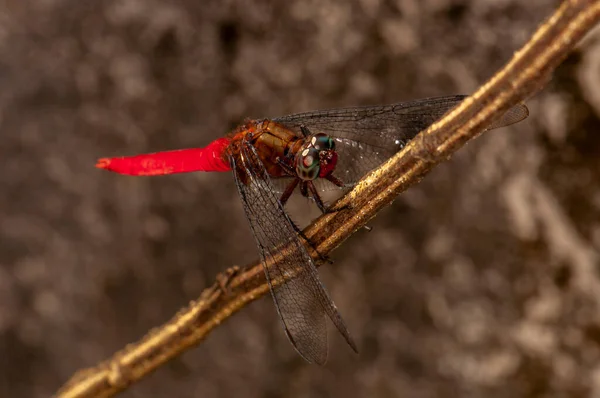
[{"x": 482, "y": 281}]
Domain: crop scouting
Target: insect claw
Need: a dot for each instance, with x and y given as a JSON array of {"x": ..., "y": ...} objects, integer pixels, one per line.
[
  {"x": 322, "y": 258},
  {"x": 310, "y": 244}
]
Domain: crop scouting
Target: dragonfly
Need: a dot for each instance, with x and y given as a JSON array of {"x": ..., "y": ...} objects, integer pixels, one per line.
[{"x": 311, "y": 152}]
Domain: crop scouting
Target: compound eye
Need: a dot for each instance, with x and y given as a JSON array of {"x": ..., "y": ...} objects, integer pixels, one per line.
[
  {"x": 322, "y": 142},
  {"x": 308, "y": 164}
]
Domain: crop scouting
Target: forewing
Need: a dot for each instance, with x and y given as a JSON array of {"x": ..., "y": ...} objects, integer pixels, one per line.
[
  {"x": 302, "y": 301},
  {"x": 367, "y": 136}
]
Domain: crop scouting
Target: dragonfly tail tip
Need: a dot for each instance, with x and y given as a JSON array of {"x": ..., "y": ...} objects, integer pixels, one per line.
[{"x": 103, "y": 163}]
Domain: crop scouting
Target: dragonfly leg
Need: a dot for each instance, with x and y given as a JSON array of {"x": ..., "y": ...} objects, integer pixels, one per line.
[
  {"x": 288, "y": 191},
  {"x": 286, "y": 167},
  {"x": 335, "y": 181},
  {"x": 308, "y": 190},
  {"x": 338, "y": 183},
  {"x": 305, "y": 131},
  {"x": 304, "y": 189},
  {"x": 317, "y": 198},
  {"x": 301, "y": 234}
]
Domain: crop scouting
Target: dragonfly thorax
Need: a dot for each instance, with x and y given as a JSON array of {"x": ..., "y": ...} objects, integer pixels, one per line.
[{"x": 316, "y": 157}]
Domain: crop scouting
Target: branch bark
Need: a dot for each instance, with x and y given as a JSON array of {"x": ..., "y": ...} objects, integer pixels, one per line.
[{"x": 525, "y": 74}]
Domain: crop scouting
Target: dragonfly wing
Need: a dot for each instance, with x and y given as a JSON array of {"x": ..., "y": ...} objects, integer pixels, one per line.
[
  {"x": 302, "y": 301},
  {"x": 322, "y": 185},
  {"x": 367, "y": 136}
]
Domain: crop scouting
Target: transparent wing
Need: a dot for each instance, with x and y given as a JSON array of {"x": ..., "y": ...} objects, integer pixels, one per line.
[
  {"x": 322, "y": 185},
  {"x": 367, "y": 136},
  {"x": 302, "y": 301}
]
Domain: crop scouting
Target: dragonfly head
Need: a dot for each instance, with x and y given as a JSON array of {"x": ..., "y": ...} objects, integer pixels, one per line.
[{"x": 316, "y": 158}]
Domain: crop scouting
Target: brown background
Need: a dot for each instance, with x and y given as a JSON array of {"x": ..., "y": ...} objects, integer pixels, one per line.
[{"x": 482, "y": 281}]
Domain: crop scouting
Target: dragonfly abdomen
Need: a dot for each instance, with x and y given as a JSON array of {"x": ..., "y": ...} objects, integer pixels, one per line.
[{"x": 210, "y": 158}]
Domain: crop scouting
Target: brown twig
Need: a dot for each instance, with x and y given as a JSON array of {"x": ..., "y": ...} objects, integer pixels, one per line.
[{"x": 526, "y": 73}]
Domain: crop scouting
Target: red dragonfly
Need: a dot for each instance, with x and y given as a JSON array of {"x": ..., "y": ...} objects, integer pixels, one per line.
[{"x": 314, "y": 151}]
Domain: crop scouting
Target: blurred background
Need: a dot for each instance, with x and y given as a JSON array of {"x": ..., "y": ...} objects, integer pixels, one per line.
[{"x": 482, "y": 281}]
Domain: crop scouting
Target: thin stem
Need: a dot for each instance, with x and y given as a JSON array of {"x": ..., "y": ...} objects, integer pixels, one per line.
[{"x": 524, "y": 75}]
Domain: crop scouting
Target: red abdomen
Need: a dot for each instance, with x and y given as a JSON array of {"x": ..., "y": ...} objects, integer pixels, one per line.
[{"x": 212, "y": 157}]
